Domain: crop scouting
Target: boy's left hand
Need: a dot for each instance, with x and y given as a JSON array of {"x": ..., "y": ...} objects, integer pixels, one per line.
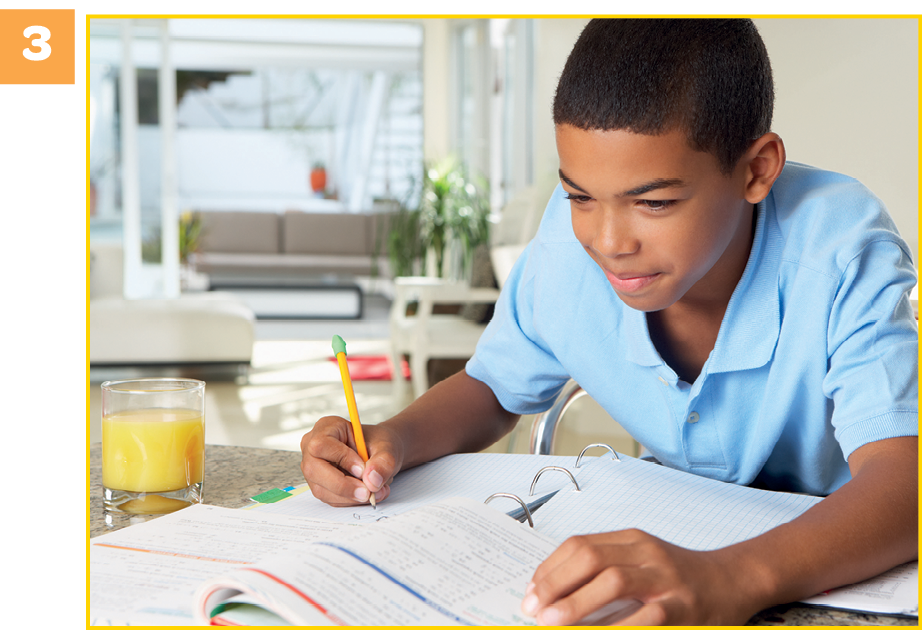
[{"x": 674, "y": 585}]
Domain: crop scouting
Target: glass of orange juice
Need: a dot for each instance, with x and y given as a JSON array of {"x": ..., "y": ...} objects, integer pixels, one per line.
[{"x": 153, "y": 444}]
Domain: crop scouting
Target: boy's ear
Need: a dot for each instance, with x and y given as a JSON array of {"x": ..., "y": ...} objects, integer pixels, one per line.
[{"x": 764, "y": 162}]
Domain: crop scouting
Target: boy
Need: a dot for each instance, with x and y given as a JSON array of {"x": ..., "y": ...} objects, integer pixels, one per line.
[{"x": 744, "y": 319}]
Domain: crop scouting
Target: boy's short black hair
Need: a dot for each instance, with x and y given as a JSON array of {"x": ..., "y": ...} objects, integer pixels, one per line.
[{"x": 710, "y": 77}]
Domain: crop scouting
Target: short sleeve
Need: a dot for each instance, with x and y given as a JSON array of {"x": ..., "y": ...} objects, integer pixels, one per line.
[
  {"x": 511, "y": 357},
  {"x": 872, "y": 344}
]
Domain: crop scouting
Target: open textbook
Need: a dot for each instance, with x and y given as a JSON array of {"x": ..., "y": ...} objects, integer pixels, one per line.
[{"x": 449, "y": 562}]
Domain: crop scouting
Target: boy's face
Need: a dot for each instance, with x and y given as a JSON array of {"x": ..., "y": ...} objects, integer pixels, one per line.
[{"x": 660, "y": 219}]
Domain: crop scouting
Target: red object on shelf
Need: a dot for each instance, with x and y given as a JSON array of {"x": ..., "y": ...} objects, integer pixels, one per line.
[{"x": 318, "y": 179}]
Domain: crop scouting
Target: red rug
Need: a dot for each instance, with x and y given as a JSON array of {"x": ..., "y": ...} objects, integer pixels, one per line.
[{"x": 375, "y": 368}]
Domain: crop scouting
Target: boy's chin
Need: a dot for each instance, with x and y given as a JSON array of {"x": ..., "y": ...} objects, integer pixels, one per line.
[{"x": 646, "y": 303}]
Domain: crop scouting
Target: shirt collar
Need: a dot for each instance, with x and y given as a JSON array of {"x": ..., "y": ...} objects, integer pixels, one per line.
[{"x": 752, "y": 322}]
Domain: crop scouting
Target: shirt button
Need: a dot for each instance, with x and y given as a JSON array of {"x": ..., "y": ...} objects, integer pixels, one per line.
[
  {"x": 662, "y": 380},
  {"x": 693, "y": 417}
]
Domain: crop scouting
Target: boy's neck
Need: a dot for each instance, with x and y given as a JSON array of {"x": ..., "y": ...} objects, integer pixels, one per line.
[
  {"x": 685, "y": 332},
  {"x": 684, "y": 337}
]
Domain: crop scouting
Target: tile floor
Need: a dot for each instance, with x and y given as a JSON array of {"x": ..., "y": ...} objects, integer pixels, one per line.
[{"x": 292, "y": 383}]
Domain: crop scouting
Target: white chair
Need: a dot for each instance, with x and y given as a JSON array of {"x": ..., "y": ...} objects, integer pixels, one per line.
[{"x": 427, "y": 335}]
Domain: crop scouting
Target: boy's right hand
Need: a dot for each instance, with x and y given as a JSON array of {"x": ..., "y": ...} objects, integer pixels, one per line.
[{"x": 335, "y": 471}]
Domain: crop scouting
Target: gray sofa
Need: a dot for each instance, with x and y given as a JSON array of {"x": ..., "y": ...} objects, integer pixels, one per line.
[{"x": 247, "y": 248}]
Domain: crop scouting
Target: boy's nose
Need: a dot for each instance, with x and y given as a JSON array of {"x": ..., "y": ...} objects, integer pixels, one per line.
[{"x": 614, "y": 237}]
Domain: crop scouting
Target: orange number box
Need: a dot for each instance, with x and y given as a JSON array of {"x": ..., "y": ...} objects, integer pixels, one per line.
[{"x": 36, "y": 46}]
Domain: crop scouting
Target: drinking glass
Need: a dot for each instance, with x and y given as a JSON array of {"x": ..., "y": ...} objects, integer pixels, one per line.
[{"x": 153, "y": 444}]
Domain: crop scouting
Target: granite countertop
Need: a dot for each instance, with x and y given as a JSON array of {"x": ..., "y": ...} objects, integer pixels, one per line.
[{"x": 235, "y": 473}]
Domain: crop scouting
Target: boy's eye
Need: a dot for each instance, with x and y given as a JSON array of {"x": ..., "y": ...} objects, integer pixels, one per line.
[
  {"x": 577, "y": 198},
  {"x": 657, "y": 205}
]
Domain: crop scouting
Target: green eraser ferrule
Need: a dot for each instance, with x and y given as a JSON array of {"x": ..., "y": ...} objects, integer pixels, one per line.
[{"x": 338, "y": 345}]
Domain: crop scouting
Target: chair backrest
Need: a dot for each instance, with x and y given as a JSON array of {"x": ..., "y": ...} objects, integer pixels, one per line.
[
  {"x": 518, "y": 224},
  {"x": 503, "y": 257}
]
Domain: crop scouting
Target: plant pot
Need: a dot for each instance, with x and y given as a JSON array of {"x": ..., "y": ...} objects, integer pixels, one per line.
[{"x": 318, "y": 179}]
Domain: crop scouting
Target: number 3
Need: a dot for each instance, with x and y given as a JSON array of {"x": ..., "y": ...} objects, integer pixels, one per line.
[{"x": 40, "y": 42}]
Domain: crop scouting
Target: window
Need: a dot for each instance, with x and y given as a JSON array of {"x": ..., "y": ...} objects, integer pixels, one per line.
[{"x": 260, "y": 101}]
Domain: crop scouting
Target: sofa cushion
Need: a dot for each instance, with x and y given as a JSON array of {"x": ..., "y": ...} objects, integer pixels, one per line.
[
  {"x": 322, "y": 233},
  {"x": 207, "y": 327},
  {"x": 240, "y": 232}
]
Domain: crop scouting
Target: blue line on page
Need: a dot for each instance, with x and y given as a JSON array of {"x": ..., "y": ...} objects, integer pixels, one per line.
[{"x": 426, "y": 601}]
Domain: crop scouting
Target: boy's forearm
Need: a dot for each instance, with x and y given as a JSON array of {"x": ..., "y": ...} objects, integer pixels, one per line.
[
  {"x": 459, "y": 414},
  {"x": 866, "y": 527}
]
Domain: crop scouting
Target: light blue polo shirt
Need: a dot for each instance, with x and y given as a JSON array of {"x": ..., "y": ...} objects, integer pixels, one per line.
[{"x": 817, "y": 353}]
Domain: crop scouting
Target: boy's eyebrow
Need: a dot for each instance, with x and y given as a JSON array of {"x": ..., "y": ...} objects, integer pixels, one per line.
[
  {"x": 656, "y": 184},
  {"x": 569, "y": 182},
  {"x": 650, "y": 186}
]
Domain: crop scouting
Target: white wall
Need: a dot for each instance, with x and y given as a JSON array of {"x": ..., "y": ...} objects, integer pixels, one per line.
[
  {"x": 554, "y": 38},
  {"x": 847, "y": 99}
]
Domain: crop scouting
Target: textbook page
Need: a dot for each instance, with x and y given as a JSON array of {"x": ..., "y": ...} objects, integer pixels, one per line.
[
  {"x": 472, "y": 475},
  {"x": 146, "y": 574},
  {"x": 895, "y": 591},
  {"x": 450, "y": 563}
]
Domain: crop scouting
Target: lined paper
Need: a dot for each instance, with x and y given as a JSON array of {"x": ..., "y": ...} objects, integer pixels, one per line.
[{"x": 687, "y": 510}]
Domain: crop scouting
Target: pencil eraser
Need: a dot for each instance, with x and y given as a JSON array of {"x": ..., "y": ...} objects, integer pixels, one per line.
[{"x": 338, "y": 345}]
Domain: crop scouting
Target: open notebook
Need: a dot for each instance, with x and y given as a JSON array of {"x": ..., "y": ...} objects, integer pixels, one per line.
[
  {"x": 435, "y": 532},
  {"x": 700, "y": 513}
]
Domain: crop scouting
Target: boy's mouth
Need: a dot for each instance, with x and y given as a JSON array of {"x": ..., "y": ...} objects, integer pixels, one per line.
[{"x": 630, "y": 282}]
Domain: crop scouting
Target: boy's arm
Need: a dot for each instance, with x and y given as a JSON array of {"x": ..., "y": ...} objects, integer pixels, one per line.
[
  {"x": 460, "y": 414},
  {"x": 866, "y": 527}
]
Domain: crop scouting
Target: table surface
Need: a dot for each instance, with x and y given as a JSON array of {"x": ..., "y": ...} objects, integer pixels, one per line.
[{"x": 235, "y": 473}]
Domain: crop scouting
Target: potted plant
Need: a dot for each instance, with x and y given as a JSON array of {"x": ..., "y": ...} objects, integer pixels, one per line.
[
  {"x": 403, "y": 245},
  {"x": 190, "y": 234},
  {"x": 454, "y": 217}
]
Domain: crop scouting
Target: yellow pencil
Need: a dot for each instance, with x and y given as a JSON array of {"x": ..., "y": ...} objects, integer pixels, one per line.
[{"x": 339, "y": 349}]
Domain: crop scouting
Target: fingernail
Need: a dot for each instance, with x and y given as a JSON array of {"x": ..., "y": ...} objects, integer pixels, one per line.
[
  {"x": 375, "y": 479},
  {"x": 529, "y": 588},
  {"x": 530, "y": 605},
  {"x": 361, "y": 494},
  {"x": 357, "y": 471},
  {"x": 549, "y": 617}
]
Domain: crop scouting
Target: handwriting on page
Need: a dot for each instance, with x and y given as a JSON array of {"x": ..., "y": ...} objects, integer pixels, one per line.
[{"x": 472, "y": 475}]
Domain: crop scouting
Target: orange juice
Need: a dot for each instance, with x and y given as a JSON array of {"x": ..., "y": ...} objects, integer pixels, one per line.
[{"x": 153, "y": 450}]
